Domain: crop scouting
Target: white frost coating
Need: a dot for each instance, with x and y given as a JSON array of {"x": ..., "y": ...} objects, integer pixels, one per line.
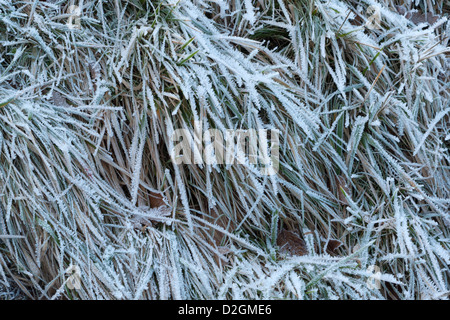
[{"x": 86, "y": 177}]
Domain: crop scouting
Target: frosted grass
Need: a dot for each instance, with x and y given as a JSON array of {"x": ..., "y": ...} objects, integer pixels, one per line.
[{"x": 87, "y": 180}]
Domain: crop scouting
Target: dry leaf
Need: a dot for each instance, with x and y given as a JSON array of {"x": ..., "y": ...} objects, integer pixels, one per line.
[
  {"x": 416, "y": 16},
  {"x": 291, "y": 243},
  {"x": 332, "y": 245},
  {"x": 58, "y": 99},
  {"x": 156, "y": 200}
]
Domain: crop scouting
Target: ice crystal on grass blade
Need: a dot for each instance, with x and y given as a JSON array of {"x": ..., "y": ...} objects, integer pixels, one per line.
[{"x": 356, "y": 112}]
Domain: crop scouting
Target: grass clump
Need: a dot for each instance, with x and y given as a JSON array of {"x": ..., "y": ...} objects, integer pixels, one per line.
[{"x": 88, "y": 186}]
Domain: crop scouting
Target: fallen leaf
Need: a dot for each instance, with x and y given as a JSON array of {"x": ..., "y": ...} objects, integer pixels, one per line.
[
  {"x": 417, "y": 17},
  {"x": 156, "y": 200},
  {"x": 332, "y": 245},
  {"x": 291, "y": 243}
]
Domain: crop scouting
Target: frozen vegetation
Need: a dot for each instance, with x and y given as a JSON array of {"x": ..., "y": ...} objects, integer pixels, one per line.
[{"x": 92, "y": 205}]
